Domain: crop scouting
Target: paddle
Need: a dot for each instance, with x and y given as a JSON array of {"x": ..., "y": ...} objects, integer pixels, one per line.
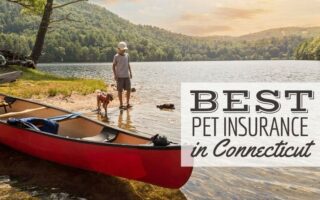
[{"x": 11, "y": 114}]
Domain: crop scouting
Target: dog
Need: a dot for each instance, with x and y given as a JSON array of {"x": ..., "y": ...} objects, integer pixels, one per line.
[{"x": 104, "y": 99}]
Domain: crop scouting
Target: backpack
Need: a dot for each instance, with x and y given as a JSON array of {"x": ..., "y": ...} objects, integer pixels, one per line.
[{"x": 37, "y": 124}]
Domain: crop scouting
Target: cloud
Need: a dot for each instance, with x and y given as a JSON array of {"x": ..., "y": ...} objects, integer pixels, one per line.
[
  {"x": 223, "y": 12},
  {"x": 118, "y": 1},
  {"x": 238, "y": 13},
  {"x": 203, "y": 30},
  {"x": 223, "y": 17},
  {"x": 217, "y": 20}
]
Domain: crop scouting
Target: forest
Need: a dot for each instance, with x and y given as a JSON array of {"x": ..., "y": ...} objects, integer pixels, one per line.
[
  {"x": 309, "y": 50},
  {"x": 93, "y": 33}
]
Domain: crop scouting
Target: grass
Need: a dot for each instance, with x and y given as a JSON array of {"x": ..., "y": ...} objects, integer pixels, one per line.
[{"x": 35, "y": 83}]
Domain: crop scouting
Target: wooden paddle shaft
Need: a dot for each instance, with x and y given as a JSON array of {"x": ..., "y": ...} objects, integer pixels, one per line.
[{"x": 12, "y": 114}]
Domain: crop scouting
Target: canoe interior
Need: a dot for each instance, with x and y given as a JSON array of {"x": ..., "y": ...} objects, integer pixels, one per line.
[{"x": 73, "y": 128}]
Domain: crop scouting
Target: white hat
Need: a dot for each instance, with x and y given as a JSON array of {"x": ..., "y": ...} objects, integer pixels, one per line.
[{"x": 122, "y": 46}]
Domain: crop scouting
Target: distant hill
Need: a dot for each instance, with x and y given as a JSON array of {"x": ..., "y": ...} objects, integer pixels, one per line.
[
  {"x": 97, "y": 31},
  {"x": 306, "y": 32}
]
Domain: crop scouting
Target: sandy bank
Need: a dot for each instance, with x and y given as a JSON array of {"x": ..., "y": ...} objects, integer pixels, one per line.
[{"x": 84, "y": 103}]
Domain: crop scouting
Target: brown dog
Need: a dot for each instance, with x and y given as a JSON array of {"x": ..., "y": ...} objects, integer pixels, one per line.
[{"x": 103, "y": 99}]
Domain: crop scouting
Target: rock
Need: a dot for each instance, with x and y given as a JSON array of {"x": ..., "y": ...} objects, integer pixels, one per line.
[
  {"x": 13, "y": 58},
  {"x": 35, "y": 193},
  {"x": 169, "y": 106},
  {"x": 28, "y": 64}
]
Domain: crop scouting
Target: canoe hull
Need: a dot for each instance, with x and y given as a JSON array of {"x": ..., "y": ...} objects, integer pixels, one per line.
[{"x": 155, "y": 165}]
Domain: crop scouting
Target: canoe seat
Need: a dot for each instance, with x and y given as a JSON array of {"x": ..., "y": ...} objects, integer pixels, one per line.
[
  {"x": 6, "y": 102},
  {"x": 106, "y": 135},
  {"x": 4, "y": 105}
]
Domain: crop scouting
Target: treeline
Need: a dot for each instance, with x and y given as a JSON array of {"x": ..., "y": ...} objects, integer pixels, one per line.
[
  {"x": 94, "y": 33},
  {"x": 309, "y": 50},
  {"x": 95, "y": 46}
]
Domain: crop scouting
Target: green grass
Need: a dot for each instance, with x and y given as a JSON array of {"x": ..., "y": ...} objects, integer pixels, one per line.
[{"x": 35, "y": 83}]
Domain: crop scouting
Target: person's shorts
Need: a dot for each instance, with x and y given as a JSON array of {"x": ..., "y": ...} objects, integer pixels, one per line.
[{"x": 123, "y": 84}]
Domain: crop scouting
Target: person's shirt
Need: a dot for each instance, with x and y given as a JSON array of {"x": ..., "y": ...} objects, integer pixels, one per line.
[{"x": 121, "y": 65}]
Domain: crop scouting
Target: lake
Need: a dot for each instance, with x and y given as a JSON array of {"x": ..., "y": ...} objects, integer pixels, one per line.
[{"x": 159, "y": 82}]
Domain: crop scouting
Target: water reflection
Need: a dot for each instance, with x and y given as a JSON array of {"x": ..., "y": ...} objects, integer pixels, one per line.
[
  {"x": 124, "y": 120},
  {"x": 115, "y": 117},
  {"x": 103, "y": 118}
]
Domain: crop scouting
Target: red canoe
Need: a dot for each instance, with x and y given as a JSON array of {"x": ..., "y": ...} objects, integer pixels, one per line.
[{"x": 91, "y": 145}]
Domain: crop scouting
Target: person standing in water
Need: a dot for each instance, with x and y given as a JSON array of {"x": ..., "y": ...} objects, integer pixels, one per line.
[{"x": 122, "y": 73}]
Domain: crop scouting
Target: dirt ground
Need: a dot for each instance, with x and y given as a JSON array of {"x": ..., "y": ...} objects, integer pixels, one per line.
[{"x": 87, "y": 103}]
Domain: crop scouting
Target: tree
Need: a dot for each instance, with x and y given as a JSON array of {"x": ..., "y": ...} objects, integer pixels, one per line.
[
  {"x": 309, "y": 50},
  {"x": 44, "y": 7}
]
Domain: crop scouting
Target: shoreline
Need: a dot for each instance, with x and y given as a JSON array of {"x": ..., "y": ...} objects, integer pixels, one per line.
[
  {"x": 84, "y": 103},
  {"x": 36, "y": 83},
  {"x": 170, "y": 61}
]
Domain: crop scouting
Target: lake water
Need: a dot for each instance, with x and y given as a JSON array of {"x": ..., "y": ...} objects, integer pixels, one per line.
[{"x": 159, "y": 82}]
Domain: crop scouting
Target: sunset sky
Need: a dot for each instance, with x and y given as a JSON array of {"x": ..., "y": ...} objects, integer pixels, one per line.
[{"x": 217, "y": 17}]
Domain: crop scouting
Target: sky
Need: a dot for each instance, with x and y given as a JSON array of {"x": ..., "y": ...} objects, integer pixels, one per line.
[{"x": 217, "y": 17}]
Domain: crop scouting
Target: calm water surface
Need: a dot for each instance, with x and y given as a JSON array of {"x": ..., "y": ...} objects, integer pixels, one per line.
[{"x": 159, "y": 83}]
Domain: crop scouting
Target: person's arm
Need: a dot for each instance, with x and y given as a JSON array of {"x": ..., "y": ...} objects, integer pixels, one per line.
[
  {"x": 114, "y": 69},
  {"x": 130, "y": 71}
]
